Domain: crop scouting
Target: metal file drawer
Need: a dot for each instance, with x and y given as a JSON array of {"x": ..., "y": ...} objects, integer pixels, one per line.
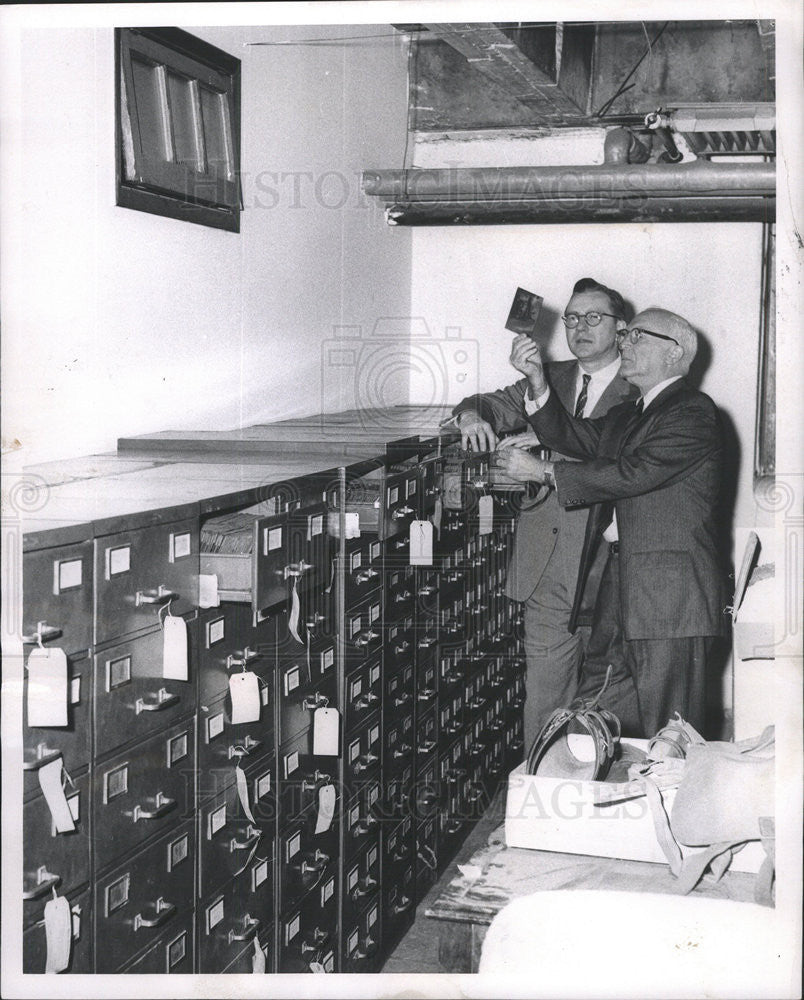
[
  {"x": 34, "y": 939},
  {"x": 399, "y": 790},
  {"x": 400, "y": 593},
  {"x": 228, "y": 840},
  {"x": 310, "y": 549},
  {"x": 173, "y": 952},
  {"x": 303, "y": 687},
  {"x": 399, "y": 692},
  {"x": 149, "y": 894},
  {"x": 361, "y": 881},
  {"x": 363, "y": 570},
  {"x": 53, "y": 860},
  {"x": 308, "y": 935},
  {"x": 426, "y": 686},
  {"x": 302, "y": 775},
  {"x": 400, "y": 642},
  {"x": 382, "y": 502},
  {"x": 426, "y": 736},
  {"x": 399, "y": 903},
  {"x": 430, "y": 473},
  {"x": 136, "y": 574},
  {"x": 398, "y": 744},
  {"x": 230, "y": 918},
  {"x": 142, "y": 792},
  {"x": 398, "y": 847},
  {"x": 363, "y": 630},
  {"x": 258, "y": 577},
  {"x": 363, "y": 693},
  {"x": 132, "y": 697},
  {"x": 306, "y": 860},
  {"x": 57, "y": 596},
  {"x": 222, "y": 745},
  {"x": 362, "y": 753},
  {"x": 41, "y": 744},
  {"x": 362, "y": 820},
  {"x": 227, "y": 642},
  {"x": 426, "y": 857},
  {"x": 362, "y": 937}
]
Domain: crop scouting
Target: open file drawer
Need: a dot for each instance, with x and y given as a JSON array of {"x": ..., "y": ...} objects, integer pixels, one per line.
[{"x": 249, "y": 557}]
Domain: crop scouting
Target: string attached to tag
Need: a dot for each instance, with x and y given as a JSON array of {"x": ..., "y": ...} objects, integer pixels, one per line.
[{"x": 166, "y": 609}]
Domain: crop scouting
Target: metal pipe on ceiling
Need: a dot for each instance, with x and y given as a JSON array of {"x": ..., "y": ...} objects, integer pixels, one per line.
[
  {"x": 497, "y": 213},
  {"x": 644, "y": 180}
]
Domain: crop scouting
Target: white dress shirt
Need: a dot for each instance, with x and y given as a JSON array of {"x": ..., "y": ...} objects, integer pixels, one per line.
[{"x": 598, "y": 383}]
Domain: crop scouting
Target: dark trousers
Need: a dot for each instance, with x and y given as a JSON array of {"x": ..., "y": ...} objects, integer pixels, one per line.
[{"x": 652, "y": 679}]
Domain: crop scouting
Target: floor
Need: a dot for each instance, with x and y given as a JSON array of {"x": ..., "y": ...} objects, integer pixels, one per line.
[{"x": 418, "y": 949}]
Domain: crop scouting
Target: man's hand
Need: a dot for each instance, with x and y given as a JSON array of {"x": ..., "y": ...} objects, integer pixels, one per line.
[
  {"x": 526, "y": 358},
  {"x": 527, "y": 439},
  {"x": 521, "y": 466},
  {"x": 476, "y": 431}
]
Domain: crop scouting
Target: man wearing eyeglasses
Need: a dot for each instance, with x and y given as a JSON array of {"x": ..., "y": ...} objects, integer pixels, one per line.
[
  {"x": 543, "y": 571},
  {"x": 651, "y": 471}
]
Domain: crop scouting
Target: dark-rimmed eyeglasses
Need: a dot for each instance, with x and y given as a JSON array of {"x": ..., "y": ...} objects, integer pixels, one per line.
[
  {"x": 636, "y": 333},
  {"x": 571, "y": 320}
]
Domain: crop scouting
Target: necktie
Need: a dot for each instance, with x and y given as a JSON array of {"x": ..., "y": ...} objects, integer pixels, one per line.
[
  {"x": 640, "y": 404},
  {"x": 581, "y": 403}
]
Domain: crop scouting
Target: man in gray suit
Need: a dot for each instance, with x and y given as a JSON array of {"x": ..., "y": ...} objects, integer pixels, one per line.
[
  {"x": 652, "y": 471},
  {"x": 544, "y": 568}
]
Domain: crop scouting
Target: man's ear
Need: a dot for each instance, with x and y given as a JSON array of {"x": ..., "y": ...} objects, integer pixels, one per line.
[{"x": 674, "y": 355}]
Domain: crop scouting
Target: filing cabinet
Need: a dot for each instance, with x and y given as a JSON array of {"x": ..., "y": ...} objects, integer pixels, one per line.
[{"x": 205, "y": 844}]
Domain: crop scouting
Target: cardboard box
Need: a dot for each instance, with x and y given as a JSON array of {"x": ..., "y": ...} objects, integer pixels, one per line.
[{"x": 560, "y": 814}]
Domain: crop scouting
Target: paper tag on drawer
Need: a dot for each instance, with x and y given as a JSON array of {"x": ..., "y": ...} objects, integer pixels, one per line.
[
  {"x": 174, "y": 648},
  {"x": 47, "y": 687},
  {"x": 208, "y": 590},
  {"x": 244, "y": 689},
  {"x": 325, "y": 732},
  {"x": 485, "y": 512},
  {"x": 53, "y": 790},
  {"x": 326, "y": 808},
  {"x": 421, "y": 543},
  {"x": 258, "y": 958},
  {"x": 58, "y": 934},
  {"x": 352, "y": 524}
]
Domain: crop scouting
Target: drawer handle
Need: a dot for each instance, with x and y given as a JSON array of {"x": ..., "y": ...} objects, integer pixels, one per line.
[
  {"x": 363, "y": 888},
  {"x": 402, "y": 512},
  {"x": 313, "y": 701},
  {"x": 452, "y": 826},
  {"x": 426, "y": 746},
  {"x": 244, "y": 749},
  {"x": 242, "y": 659},
  {"x": 364, "y": 575},
  {"x": 426, "y": 642},
  {"x": 297, "y": 569},
  {"x": 403, "y": 699},
  {"x": 400, "y": 855},
  {"x": 427, "y": 590},
  {"x": 402, "y": 647},
  {"x": 364, "y": 761},
  {"x": 163, "y": 912},
  {"x": 475, "y": 795},
  {"x": 42, "y": 633},
  {"x": 402, "y": 750},
  {"x": 250, "y": 928},
  {"x": 244, "y": 845},
  {"x": 158, "y": 596},
  {"x": 403, "y": 595},
  {"x": 426, "y": 694},
  {"x": 402, "y": 905},
  {"x": 364, "y": 826},
  {"x": 316, "y": 863},
  {"x": 43, "y": 756},
  {"x": 319, "y": 939},
  {"x": 163, "y": 700},
  {"x": 366, "y": 638},
  {"x": 316, "y": 619},
  {"x": 314, "y": 780},
  {"x": 45, "y": 881},
  {"x": 367, "y": 699},
  {"x": 162, "y": 806},
  {"x": 368, "y": 951}
]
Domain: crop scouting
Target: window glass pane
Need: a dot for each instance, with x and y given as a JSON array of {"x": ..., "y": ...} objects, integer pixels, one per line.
[
  {"x": 149, "y": 109},
  {"x": 180, "y": 97},
  {"x": 213, "y": 114}
]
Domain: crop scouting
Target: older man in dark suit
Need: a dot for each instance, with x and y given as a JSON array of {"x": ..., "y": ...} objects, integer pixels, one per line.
[
  {"x": 549, "y": 539},
  {"x": 652, "y": 470}
]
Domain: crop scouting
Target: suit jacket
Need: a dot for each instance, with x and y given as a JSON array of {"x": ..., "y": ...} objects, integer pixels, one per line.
[
  {"x": 548, "y": 530},
  {"x": 661, "y": 472}
]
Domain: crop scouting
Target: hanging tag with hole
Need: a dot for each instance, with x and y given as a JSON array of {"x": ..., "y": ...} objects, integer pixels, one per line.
[
  {"x": 438, "y": 510},
  {"x": 421, "y": 543},
  {"x": 295, "y": 610},
  {"x": 485, "y": 514},
  {"x": 258, "y": 958},
  {"x": 47, "y": 687},
  {"x": 244, "y": 689},
  {"x": 58, "y": 934},
  {"x": 326, "y": 808},
  {"x": 208, "y": 590},
  {"x": 174, "y": 648},
  {"x": 242, "y": 792},
  {"x": 325, "y": 732},
  {"x": 53, "y": 790}
]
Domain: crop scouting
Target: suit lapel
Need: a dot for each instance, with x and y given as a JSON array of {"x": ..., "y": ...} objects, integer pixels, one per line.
[
  {"x": 563, "y": 377},
  {"x": 617, "y": 391}
]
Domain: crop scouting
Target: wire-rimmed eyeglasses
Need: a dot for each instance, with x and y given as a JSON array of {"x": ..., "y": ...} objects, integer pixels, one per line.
[
  {"x": 636, "y": 333},
  {"x": 571, "y": 320}
]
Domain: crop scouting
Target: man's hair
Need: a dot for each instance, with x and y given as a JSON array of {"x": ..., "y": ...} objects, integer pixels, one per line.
[
  {"x": 616, "y": 301},
  {"x": 683, "y": 331}
]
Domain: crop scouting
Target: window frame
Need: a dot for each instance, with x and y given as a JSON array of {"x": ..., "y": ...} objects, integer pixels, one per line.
[{"x": 219, "y": 202}]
